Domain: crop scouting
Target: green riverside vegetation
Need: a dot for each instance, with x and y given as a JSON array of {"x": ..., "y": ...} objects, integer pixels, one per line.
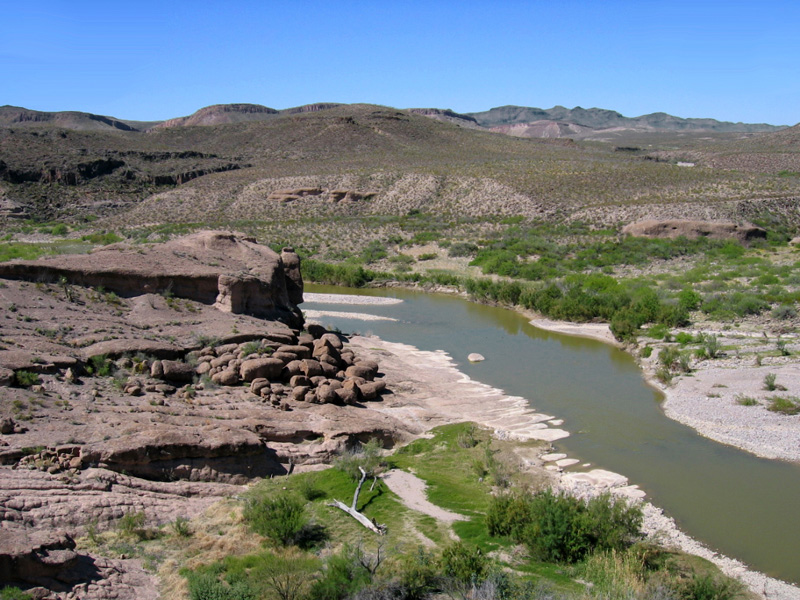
[{"x": 568, "y": 548}]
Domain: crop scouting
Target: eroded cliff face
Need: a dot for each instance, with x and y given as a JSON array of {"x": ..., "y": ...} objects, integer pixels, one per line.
[
  {"x": 161, "y": 398},
  {"x": 227, "y": 270}
]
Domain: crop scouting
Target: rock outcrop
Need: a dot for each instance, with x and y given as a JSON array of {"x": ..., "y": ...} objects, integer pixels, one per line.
[
  {"x": 226, "y": 270},
  {"x": 717, "y": 230}
]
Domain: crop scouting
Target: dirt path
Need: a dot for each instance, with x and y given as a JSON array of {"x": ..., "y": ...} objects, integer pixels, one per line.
[{"x": 411, "y": 490}]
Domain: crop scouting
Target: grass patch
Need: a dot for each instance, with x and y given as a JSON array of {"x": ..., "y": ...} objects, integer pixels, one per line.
[{"x": 786, "y": 405}]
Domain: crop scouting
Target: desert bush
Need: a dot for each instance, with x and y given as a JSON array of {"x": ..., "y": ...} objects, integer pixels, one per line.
[
  {"x": 345, "y": 274},
  {"x": 309, "y": 489},
  {"x": 711, "y": 346},
  {"x": 784, "y": 312},
  {"x": 708, "y": 587},
  {"x": 131, "y": 524},
  {"x": 180, "y": 527},
  {"x": 769, "y": 382},
  {"x": 464, "y": 564},
  {"x": 342, "y": 576},
  {"x": 417, "y": 573},
  {"x": 281, "y": 518},
  {"x": 252, "y": 348},
  {"x": 746, "y": 401},
  {"x": 100, "y": 366},
  {"x": 563, "y": 528},
  {"x": 26, "y": 378},
  {"x": 367, "y": 456},
  {"x": 784, "y": 405},
  {"x": 14, "y": 593},
  {"x": 459, "y": 249},
  {"x": 467, "y": 439}
]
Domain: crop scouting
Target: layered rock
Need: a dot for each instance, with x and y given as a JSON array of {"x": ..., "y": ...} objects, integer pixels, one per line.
[
  {"x": 674, "y": 228},
  {"x": 227, "y": 270}
]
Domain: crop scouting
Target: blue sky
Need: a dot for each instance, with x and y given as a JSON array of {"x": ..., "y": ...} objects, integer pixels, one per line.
[{"x": 729, "y": 60}]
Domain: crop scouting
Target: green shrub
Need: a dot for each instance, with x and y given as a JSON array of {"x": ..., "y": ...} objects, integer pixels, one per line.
[
  {"x": 14, "y": 593},
  {"x": 180, "y": 527},
  {"x": 746, "y": 401},
  {"x": 462, "y": 249},
  {"x": 562, "y": 528},
  {"x": 342, "y": 576},
  {"x": 287, "y": 576},
  {"x": 417, "y": 574},
  {"x": 26, "y": 378},
  {"x": 103, "y": 238},
  {"x": 783, "y": 312},
  {"x": 346, "y": 275},
  {"x": 463, "y": 563},
  {"x": 769, "y": 382},
  {"x": 131, "y": 524},
  {"x": 707, "y": 587},
  {"x": 367, "y": 456},
  {"x": 688, "y": 299},
  {"x": 308, "y": 488},
  {"x": 784, "y": 405},
  {"x": 281, "y": 518},
  {"x": 646, "y": 352},
  {"x": 100, "y": 366},
  {"x": 711, "y": 346},
  {"x": 427, "y": 256}
]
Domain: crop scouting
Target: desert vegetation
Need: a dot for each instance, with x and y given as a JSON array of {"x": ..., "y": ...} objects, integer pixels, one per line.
[{"x": 517, "y": 542}]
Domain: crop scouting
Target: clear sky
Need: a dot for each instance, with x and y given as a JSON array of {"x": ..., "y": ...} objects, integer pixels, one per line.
[{"x": 730, "y": 60}]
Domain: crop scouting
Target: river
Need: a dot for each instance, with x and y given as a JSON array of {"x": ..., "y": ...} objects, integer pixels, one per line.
[{"x": 740, "y": 505}]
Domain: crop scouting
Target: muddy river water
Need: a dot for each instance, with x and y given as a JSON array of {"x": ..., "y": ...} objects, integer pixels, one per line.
[{"x": 740, "y": 505}]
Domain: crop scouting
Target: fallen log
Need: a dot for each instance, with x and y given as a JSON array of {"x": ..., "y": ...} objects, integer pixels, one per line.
[{"x": 353, "y": 512}]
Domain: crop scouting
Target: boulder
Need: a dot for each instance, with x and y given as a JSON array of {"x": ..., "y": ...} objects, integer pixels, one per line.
[
  {"x": 316, "y": 331},
  {"x": 299, "y": 392},
  {"x": 371, "y": 389},
  {"x": 257, "y": 385},
  {"x": 328, "y": 370},
  {"x": 203, "y": 368},
  {"x": 177, "y": 371},
  {"x": 327, "y": 395},
  {"x": 360, "y": 370},
  {"x": 156, "y": 370},
  {"x": 6, "y": 377},
  {"x": 300, "y": 351},
  {"x": 293, "y": 368},
  {"x": 292, "y": 275},
  {"x": 298, "y": 380},
  {"x": 226, "y": 377},
  {"x": 311, "y": 368},
  {"x": 334, "y": 340},
  {"x": 285, "y": 357},
  {"x": 269, "y": 368},
  {"x": 223, "y": 359},
  {"x": 348, "y": 396}
]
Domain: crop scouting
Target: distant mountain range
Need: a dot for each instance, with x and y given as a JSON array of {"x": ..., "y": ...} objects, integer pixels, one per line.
[
  {"x": 599, "y": 118},
  {"x": 518, "y": 121}
]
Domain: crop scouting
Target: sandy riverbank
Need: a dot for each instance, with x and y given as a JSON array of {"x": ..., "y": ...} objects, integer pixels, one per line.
[
  {"x": 430, "y": 390},
  {"x": 709, "y": 399}
]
